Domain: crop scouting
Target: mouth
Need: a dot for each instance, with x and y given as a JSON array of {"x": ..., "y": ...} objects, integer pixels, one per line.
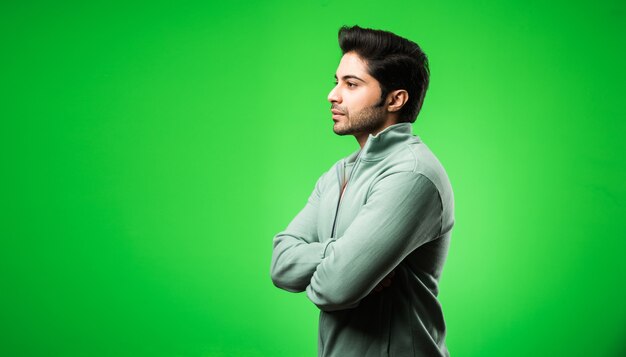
[{"x": 337, "y": 114}]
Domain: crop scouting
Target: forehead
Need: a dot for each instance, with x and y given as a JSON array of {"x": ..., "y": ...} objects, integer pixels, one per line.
[{"x": 353, "y": 64}]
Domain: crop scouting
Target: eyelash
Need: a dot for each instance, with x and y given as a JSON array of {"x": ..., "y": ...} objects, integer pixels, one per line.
[{"x": 350, "y": 85}]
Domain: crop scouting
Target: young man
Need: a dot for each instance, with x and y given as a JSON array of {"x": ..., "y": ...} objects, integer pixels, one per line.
[{"x": 370, "y": 244}]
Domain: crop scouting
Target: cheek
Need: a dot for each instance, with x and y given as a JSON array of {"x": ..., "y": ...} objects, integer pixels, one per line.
[{"x": 365, "y": 100}]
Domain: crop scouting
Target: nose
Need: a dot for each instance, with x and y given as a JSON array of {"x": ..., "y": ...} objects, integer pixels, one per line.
[{"x": 333, "y": 96}]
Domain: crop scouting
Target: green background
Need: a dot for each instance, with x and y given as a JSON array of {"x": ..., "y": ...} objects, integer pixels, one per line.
[{"x": 150, "y": 152}]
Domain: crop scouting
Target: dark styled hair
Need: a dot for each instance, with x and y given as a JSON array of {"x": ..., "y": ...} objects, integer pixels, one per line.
[{"x": 394, "y": 61}]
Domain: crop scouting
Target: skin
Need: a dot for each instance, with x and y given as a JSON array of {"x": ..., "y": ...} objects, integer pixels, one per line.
[{"x": 357, "y": 96}]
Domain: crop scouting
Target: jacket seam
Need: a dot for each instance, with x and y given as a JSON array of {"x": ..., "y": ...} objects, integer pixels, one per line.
[
  {"x": 439, "y": 196},
  {"x": 415, "y": 161},
  {"x": 440, "y": 202}
]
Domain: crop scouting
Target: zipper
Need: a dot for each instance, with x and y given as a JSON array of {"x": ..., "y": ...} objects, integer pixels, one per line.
[
  {"x": 345, "y": 190},
  {"x": 342, "y": 169}
]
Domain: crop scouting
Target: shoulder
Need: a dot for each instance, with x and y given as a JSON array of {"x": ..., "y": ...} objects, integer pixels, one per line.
[
  {"x": 427, "y": 164},
  {"x": 415, "y": 161},
  {"x": 414, "y": 156}
]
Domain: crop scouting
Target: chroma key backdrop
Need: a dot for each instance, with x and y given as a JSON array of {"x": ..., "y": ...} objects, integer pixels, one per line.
[{"x": 151, "y": 150}]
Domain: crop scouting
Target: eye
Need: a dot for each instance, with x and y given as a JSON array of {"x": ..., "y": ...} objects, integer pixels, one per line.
[{"x": 349, "y": 84}]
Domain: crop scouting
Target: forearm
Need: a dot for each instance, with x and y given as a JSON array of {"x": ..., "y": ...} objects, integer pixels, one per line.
[
  {"x": 294, "y": 261},
  {"x": 347, "y": 275},
  {"x": 402, "y": 213}
]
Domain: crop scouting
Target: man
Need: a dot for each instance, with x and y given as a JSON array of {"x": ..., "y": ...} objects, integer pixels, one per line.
[{"x": 369, "y": 246}]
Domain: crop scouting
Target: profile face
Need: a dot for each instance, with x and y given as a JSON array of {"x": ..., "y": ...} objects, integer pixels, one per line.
[{"x": 355, "y": 98}]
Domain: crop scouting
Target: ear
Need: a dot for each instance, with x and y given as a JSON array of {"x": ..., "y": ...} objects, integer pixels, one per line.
[{"x": 397, "y": 99}]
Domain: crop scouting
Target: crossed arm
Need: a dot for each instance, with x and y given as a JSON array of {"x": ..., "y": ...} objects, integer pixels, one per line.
[{"x": 402, "y": 212}]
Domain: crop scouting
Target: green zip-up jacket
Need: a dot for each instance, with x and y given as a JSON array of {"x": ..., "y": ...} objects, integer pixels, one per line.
[{"x": 395, "y": 214}]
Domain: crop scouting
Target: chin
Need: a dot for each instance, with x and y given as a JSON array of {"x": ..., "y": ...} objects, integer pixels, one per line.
[{"x": 339, "y": 130}]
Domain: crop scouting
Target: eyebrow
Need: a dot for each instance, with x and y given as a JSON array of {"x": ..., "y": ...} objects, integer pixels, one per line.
[{"x": 350, "y": 76}]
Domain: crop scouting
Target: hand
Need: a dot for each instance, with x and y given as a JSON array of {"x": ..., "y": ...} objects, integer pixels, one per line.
[{"x": 386, "y": 282}]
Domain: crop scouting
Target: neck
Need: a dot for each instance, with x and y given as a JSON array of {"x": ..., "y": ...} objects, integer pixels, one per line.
[{"x": 361, "y": 138}]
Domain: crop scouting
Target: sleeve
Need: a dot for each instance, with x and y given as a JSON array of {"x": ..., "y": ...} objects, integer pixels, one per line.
[
  {"x": 402, "y": 212},
  {"x": 297, "y": 250}
]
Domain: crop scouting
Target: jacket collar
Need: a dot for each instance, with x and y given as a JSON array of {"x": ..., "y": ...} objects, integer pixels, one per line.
[{"x": 384, "y": 143}]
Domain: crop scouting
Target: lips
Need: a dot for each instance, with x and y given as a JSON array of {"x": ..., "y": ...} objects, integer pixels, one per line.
[{"x": 336, "y": 112}]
